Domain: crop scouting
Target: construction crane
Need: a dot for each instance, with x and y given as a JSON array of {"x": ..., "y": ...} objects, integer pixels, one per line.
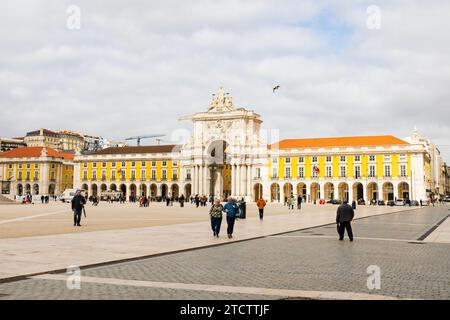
[{"x": 139, "y": 138}]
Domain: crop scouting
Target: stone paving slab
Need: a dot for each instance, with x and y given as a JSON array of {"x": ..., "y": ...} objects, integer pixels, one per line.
[
  {"x": 33, "y": 255},
  {"x": 442, "y": 232}
]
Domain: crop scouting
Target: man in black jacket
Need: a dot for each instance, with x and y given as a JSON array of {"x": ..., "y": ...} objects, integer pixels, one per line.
[
  {"x": 78, "y": 202},
  {"x": 299, "y": 202},
  {"x": 344, "y": 216}
]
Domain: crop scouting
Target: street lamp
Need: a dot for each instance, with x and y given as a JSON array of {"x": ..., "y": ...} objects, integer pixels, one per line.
[{"x": 213, "y": 170}]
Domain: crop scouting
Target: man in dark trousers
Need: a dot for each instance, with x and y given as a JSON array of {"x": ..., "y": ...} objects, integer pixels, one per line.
[
  {"x": 344, "y": 216},
  {"x": 299, "y": 202},
  {"x": 78, "y": 202}
]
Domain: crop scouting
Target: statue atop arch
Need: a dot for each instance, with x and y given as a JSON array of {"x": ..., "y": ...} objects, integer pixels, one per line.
[{"x": 221, "y": 102}]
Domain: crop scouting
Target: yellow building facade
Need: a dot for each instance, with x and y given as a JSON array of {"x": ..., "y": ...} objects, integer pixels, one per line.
[{"x": 36, "y": 171}]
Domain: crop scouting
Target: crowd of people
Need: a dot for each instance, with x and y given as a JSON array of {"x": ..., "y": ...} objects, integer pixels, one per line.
[{"x": 293, "y": 201}]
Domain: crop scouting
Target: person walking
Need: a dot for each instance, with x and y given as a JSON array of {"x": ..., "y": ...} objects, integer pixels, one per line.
[
  {"x": 292, "y": 202},
  {"x": 261, "y": 203},
  {"x": 231, "y": 210},
  {"x": 299, "y": 202},
  {"x": 78, "y": 203},
  {"x": 42, "y": 199},
  {"x": 181, "y": 199},
  {"x": 344, "y": 216},
  {"x": 215, "y": 214},
  {"x": 197, "y": 200}
]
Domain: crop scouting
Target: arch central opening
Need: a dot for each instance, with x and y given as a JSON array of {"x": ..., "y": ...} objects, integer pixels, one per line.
[{"x": 219, "y": 168}]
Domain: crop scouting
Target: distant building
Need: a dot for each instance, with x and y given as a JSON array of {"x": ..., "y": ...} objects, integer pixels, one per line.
[
  {"x": 447, "y": 180},
  {"x": 62, "y": 140},
  {"x": 92, "y": 143},
  {"x": 435, "y": 174},
  {"x": 227, "y": 156},
  {"x": 35, "y": 171},
  {"x": 7, "y": 144}
]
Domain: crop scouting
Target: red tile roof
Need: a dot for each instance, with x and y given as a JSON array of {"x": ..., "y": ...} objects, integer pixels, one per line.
[
  {"x": 338, "y": 142},
  {"x": 34, "y": 152}
]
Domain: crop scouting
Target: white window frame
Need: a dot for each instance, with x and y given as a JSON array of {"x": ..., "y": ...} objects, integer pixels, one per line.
[
  {"x": 301, "y": 172},
  {"x": 387, "y": 170},
  {"x": 329, "y": 171},
  {"x": 357, "y": 172},
  {"x": 287, "y": 172},
  {"x": 372, "y": 173},
  {"x": 343, "y": 171}
]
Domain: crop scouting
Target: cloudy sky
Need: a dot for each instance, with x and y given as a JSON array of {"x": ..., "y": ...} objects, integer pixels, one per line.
[{"x": 133, "y": 67}]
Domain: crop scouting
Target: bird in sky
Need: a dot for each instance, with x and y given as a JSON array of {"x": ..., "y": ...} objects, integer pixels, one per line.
[{"x": 276, "y": 88}]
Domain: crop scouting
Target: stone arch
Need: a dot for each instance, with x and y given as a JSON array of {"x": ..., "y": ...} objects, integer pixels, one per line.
[
  {"x": 257, "y": 191},
  {"x": 343, "y": 191},
  {"x": 275, "y": 192},
  {"x": 164, "y": 190},
  {"x": 174, "y": 190},
  {"x": 123, "y": 189},
  {"x": 358, "y": 191},
  {"x": 388, "y": 191},
  {"x": 372, "y": 191},
  {"x": 133, "y": 190},
  {"x": 103, "y": 187},
  {"x": 288, "y": 190},
  {"x": 302, "y": 190},
  {"x": 315, "y": 191},
  {"x": 94, "y": 190},
  {"x": 20, "y": 189},
  {"x": 35, "y": 189},
  {"x": 188, "y": 190},
  {"x": 51, "y": 189},
  {"x": 28, "y": 188},
  {"x": 329, "y": 191},
  {"x": 142, "y": 190},
  {"x": 403, "y": 190},
  {"x": 113, "y": 187},
  {"x": 153, "y": 190}
]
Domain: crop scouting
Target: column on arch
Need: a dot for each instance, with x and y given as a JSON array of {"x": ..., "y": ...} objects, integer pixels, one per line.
[
  {"x": 238, "y": 180},
  {"x": 233, "y": 180},
  {"x": 322, "y": 190},
  {"x": 249, "y": 180}
]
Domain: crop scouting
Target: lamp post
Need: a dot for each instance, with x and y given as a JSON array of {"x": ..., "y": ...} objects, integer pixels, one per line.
[{"x": 213, "y": 170}]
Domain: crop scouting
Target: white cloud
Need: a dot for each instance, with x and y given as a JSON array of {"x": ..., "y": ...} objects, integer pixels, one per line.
[{"x": 140, "y": 66}]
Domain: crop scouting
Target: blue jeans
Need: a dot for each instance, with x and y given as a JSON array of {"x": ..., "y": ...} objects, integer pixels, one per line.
[
  {"x": 77, "y": 216},
  {"x": 215, "y": 225}
]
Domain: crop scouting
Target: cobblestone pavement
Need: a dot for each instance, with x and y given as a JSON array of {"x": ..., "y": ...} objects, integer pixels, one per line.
[{"x": 305, "y": 260}]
